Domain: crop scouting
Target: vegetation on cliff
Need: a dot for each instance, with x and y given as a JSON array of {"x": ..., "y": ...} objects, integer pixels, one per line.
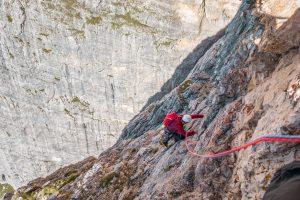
[{"x": 247, "y": 84}]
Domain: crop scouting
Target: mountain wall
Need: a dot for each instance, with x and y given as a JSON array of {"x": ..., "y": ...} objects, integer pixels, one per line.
[
  {"x": 247, "y": 84},
  {"x": 74, "y": 72}
]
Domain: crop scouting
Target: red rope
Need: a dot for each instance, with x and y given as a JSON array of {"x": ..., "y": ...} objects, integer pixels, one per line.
[{"x": 283, "y": 138}]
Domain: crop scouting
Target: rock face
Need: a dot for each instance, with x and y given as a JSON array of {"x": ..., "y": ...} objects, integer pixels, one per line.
[
  {"x": 247, "y": 84},
  {"x": 74, "y": 72}
]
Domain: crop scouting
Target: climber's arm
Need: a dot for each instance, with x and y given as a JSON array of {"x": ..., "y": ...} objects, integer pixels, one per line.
[
  {"x": 181, "y": 131},
  {"x": 194, "y": 116}
]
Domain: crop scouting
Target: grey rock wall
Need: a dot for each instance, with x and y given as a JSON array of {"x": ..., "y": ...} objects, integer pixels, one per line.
[
  {"x": 247, "y": 84},
  {"x": 74, "y": 72}
]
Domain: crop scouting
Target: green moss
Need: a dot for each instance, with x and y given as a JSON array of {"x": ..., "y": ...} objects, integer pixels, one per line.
[
  {"x": 71, "y": 173},
  {"x": 163, "y": 43},
  {"x": 68, "y": 113},
  {"x": 25, "y": 196},
  {"x": 11, "y": 56},
  {"x": 19, "y": 39},
  {"x": 117, "y": 4},
  {"x": 77, "y": 33},
  {"x": 68, "y": 12},
  {"x": 48, "y": 5},
  {"x": 47, "y": 50},
  {"x": 120, "y": 20},
  {"x": 129, "y": 20},
  {"x": 57, "y": 78},
  {"x": 81, "y": 102},
  {"x": 5, "y": 188},
  {"x": 69, "y": 16},
  {"x": 106, "y": 180},
  {"x": 63, "y": 99},
  {"x": 93, "y": 20},
  {"x": 69, "y": 177},
  {"x": 29, "y": 91},
  {"x": 53, "y": 188},
  {"x": 166, "y": 43},
  {"x": 9, "y": 18},
  {"x": 65, "y": 11},
  {"x": 49, "y": 190},
  {"x": 70, "y": 4},
  {"x": 115, "y": 25},
  {"x": 33, "y": 91},
  {"x": 75, "y": 100},
  {"x": 184, "y": 86},
  {"x": 77, "y": 15},
  {"x": 44, "y": 34}
]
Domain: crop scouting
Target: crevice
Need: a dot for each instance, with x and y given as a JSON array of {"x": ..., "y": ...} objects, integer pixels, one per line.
[
  {"x": 86, "y": 138},
  {"x": 202, "y": 5},
  {"x": 113, "y": 92},
  {"x": 24, "y": 17}
]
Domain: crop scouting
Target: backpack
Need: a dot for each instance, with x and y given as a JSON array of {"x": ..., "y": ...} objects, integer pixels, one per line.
[
  {"x": 169, "y": 119},
  {"x": 167, "y": 134}
]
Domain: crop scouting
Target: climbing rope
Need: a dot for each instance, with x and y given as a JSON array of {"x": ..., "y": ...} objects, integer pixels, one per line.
[{"x": 271, "y": 138}]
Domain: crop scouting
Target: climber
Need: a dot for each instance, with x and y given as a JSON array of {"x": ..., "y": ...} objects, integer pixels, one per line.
[{"x": 173, "y": 127}]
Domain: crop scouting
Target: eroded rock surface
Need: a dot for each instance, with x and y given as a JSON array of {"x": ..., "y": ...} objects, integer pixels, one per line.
[
  {"x": 74, "y": 72},
  {"x": 245, "y": 89}
]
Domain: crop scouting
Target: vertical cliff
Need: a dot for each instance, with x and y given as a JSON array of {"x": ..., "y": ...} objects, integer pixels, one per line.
[
  {"x": 247, "y": 84},
  {"x": 74, "y": 72}
]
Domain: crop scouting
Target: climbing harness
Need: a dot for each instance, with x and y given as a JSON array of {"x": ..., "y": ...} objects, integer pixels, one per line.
[{"x": 271, "y": 138}]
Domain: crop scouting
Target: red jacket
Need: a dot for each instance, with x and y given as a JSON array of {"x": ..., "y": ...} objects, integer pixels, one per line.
[{"x": 175, "y": 124}]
